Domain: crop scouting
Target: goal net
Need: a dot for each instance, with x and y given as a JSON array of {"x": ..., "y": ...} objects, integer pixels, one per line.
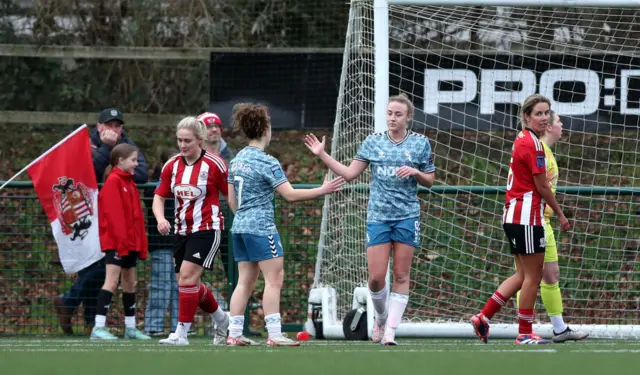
[{"x": 466, "y": 69}]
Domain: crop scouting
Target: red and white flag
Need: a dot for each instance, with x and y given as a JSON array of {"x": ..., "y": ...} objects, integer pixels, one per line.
[{"x": 66, "y": 185}]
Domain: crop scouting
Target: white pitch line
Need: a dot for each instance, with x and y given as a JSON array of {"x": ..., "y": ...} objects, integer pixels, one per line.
[
  {"x": 605, "y": 351},
  {"x": 245, "y": 352},
  {"x": 164, "y": 349}
]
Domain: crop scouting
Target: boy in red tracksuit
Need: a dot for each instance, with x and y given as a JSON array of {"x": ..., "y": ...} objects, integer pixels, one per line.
[{"x": 123, "y": 240}]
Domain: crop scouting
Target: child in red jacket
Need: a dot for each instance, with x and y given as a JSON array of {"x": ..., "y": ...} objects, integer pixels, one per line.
[{"x": 123, "y": 240}]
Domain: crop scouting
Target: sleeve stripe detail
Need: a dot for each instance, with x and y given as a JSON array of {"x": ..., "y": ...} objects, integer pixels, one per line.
[
  {"x": 537, "y": 143},
  {"x": 280, "y": 183},
  {"x": 216, "y": 159},
  {"x": 171, "y": 160}
]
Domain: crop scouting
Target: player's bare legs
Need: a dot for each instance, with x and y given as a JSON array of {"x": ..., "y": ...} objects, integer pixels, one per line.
[
  {"x": 377, "y": 264},
  {"x": 273, "y": 271},
  {"x": 402, "y": 259},
  {"x": 532, "y": 265},
  {"x": 248, "y": 275},
  {"x": 513, "y": 283}
]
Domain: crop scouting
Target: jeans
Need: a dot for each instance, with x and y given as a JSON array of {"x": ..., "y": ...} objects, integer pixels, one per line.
[
  {"x": 85, "y": 290},
  {"x": 163, "y": 292}
]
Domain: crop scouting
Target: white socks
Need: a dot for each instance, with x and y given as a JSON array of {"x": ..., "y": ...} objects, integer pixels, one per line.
[
  {"x": 182, "y": 329},
  {"x": 274, "y": 325},
  {"x": 397, "y": 305},
  {"x": 100, "y": 321},
  {"x": 236, "y": 325},
  {"x": 219, "y": 316},
  {"x": 556, "y": 321},
  {"x": 129, "y": 321},
  {"x": 379, "y": 299}
]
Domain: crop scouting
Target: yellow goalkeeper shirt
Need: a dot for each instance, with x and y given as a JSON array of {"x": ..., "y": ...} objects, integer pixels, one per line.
[{"x": 552, "y": 177}]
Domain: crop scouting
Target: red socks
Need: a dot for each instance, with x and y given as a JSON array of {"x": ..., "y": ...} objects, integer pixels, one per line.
[
  {"x": 494, "y": 304},
  {"x": 208, "y": 303},
  {"x": 188, "y": 304},
  {"x": 525, "y": 321}
]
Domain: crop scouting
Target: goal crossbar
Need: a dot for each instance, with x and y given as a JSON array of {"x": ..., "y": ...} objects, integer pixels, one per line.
[{"x": 521, "y": 3}]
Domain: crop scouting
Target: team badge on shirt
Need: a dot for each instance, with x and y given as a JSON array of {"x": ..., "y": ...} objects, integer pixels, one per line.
[
  {"x": 408, "y": 156},
  {"x": 277, "y": 171},
  {"x": 540, "y": 161}
]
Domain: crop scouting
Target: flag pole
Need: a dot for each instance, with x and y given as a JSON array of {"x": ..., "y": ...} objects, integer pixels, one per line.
[{"x": 84, "y": 126}]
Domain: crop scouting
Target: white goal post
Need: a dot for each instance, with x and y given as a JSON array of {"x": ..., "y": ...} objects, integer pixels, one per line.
[{"x": 466, "y": 65}]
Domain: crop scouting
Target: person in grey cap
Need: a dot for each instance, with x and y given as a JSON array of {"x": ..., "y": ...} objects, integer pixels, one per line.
[{"x": 108, "y": 133}]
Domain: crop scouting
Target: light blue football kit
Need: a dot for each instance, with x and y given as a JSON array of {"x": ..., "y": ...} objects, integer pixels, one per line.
[
  {"x": 393, "y": 213},
  {"x": 255, "y": 175}
]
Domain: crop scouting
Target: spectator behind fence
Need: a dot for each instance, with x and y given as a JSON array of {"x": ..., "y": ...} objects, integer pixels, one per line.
[
  {"x": 163, "y": 286},
  {"x": 214, "y": 143},
  {"x": 123, "y": 239},
  {"x": 108, "y": 132}
]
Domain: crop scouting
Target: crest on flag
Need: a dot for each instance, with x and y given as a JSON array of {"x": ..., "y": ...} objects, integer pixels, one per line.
[
  {"x": 67, "y": 187},
  {"x": 73, "y": 203}
]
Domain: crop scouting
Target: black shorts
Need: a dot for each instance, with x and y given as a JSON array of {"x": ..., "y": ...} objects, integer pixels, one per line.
[
  {"x": 129, "y": 261},
  {"x": 199, "y": 248},
  {"x": 525, "y": 239}
]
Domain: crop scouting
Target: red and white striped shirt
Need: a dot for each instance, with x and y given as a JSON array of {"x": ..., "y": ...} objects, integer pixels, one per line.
[
  {"x": 525, "y": 205},
  {"x": 196, "y": 189}
]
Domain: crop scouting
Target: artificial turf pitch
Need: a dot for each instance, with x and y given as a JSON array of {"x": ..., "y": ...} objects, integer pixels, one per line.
[{"x": 71, "y": 356}]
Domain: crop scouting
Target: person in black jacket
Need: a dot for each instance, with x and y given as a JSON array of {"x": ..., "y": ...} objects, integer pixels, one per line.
[
  {"x": 107, "y": 133},
  {"x": 163, "y": 286}
]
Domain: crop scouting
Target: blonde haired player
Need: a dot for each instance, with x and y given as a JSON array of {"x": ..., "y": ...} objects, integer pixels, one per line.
[
  {"x": 549, "y": 287},
  {"x": 195, "y": 178},
  {"x": 400, "y": 160}
]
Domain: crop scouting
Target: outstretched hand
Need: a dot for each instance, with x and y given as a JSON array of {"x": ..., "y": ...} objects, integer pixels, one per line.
[
  {"x": 332, "y": 186},
  {"x": 313, "y": 144}
]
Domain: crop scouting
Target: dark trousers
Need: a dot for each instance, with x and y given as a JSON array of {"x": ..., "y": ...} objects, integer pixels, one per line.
[{"x": 85, "y": 290}]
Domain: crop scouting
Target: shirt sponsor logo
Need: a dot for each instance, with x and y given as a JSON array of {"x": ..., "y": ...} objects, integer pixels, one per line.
[{"x": 187, "y": 192}]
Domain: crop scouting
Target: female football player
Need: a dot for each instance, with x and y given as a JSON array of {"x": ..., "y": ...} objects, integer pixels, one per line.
[
  {"x": 253, "y": 177},
  {"x": 400, "y": 160},
  {"x": 523, "y": 222},
  {"x": 549, "y": 287},
  {"x": 195, "y": 178}
]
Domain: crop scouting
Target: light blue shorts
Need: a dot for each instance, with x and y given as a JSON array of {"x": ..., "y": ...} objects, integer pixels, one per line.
[
  {"x": 405, "y": 231},
  {"x": 256, "y": 248}
]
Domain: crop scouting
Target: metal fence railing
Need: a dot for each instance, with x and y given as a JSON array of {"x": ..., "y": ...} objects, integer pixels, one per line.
[{"x": 31, "y": 276}]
